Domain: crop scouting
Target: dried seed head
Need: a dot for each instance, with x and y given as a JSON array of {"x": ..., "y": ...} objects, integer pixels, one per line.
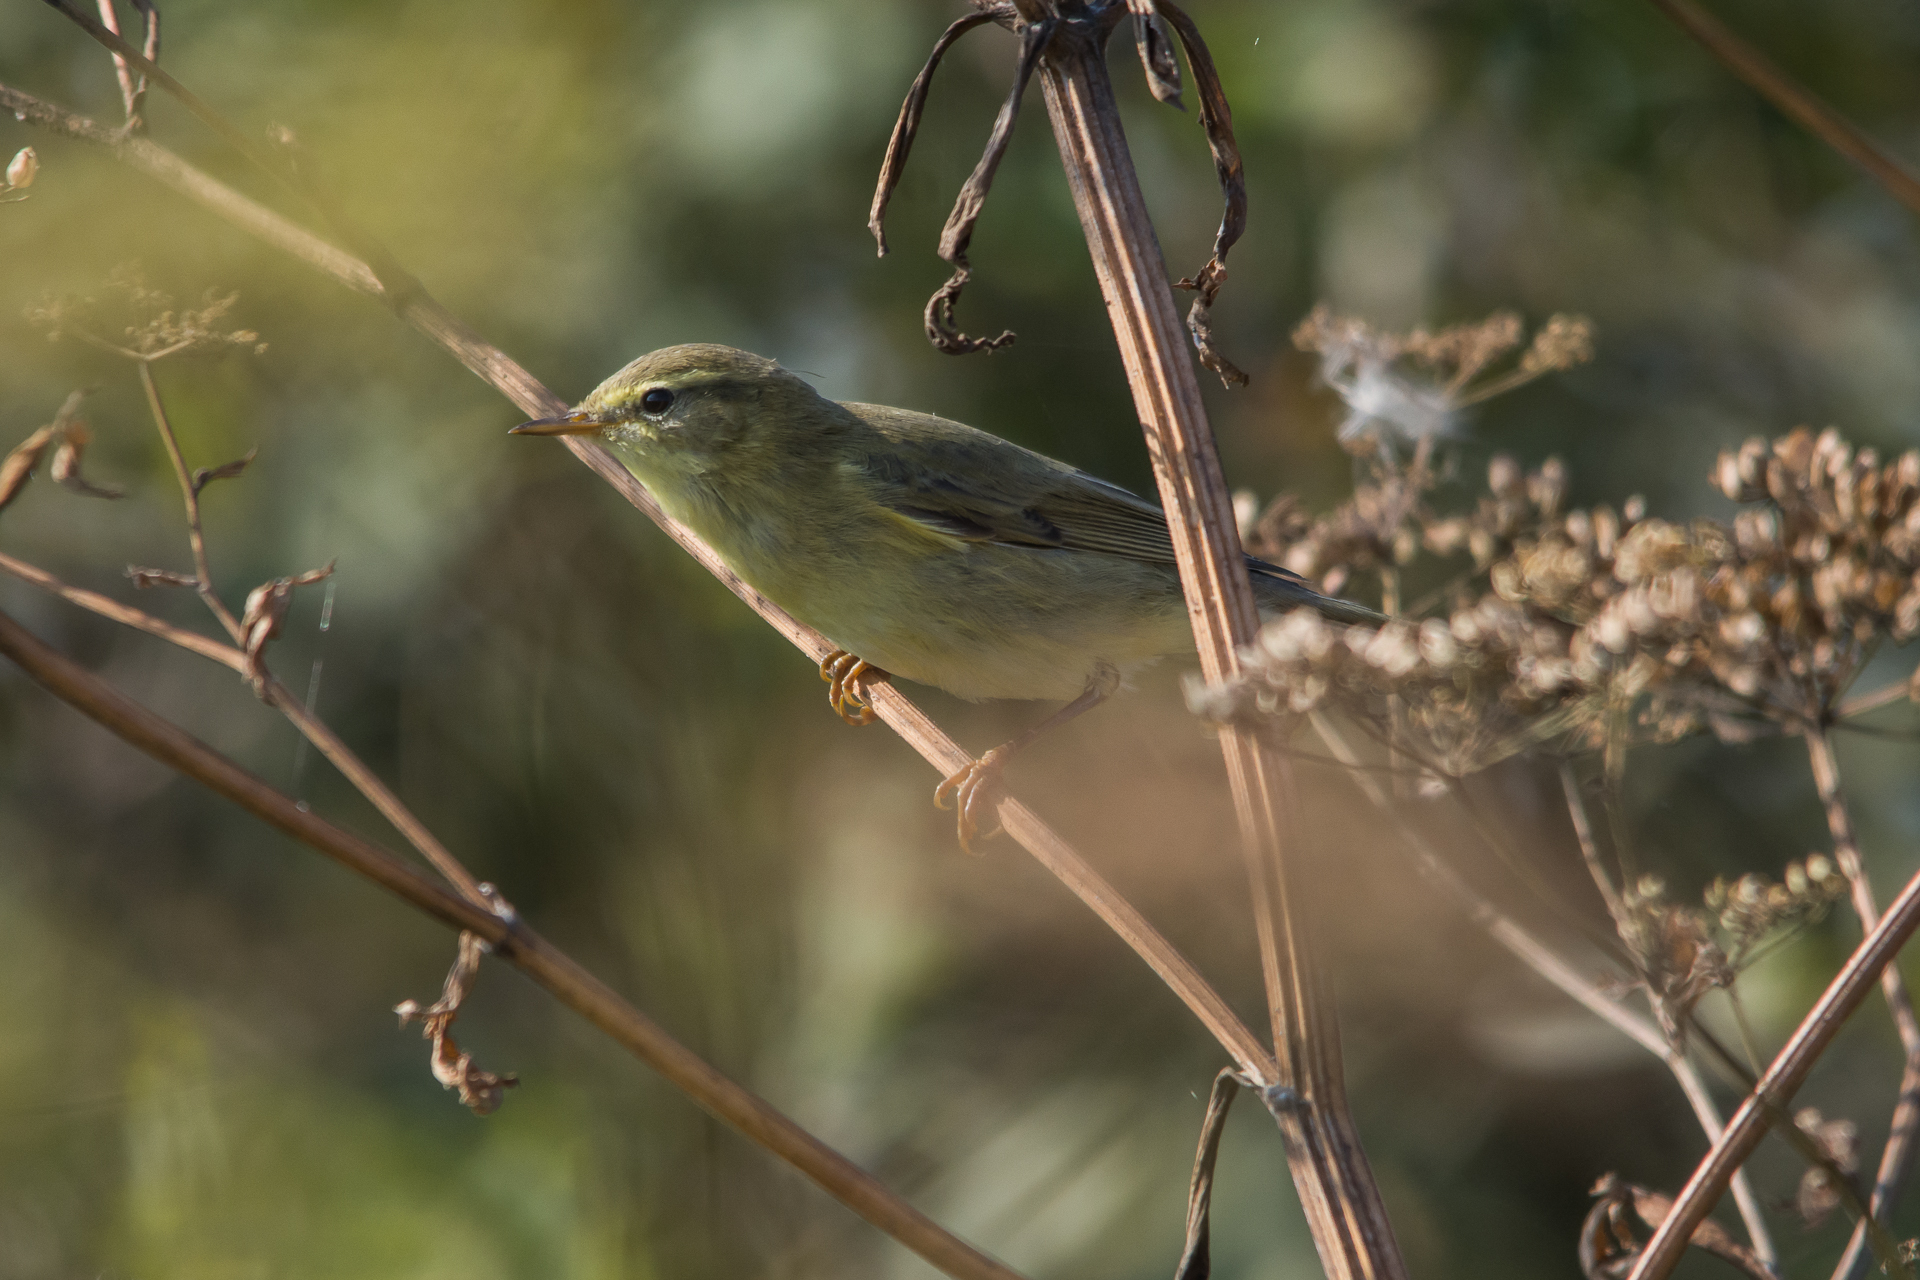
[{"x": 1505, "y": 477}]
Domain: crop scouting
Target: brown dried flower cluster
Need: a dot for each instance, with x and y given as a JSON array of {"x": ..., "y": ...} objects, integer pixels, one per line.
[
  {"x": 1592, "y": 622},
  {"x": 1838, "y": 1140},
  {"x": 68, "y": 436},
  {"x": 158, "y": 327},
  {"x": 1683, "y": 952},
  {"x": 1412, "y": 386}
]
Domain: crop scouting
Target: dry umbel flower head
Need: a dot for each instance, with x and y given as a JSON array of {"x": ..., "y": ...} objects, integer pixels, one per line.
[
  {"x": 1411, "y": 387},
  {"x": 1582, "y": 617},
  {"x": 1683, "y": 952},
  {"x": 157, "y": 327}
]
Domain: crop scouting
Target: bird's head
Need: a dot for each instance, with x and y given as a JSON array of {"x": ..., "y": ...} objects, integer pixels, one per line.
[{"x": 692, "y": 409}]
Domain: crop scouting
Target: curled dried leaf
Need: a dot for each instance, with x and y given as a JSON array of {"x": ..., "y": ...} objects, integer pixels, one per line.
[
  {"x": 1838, "y": 1143},
  {"x": 266, "y": 610},
  {"x": 144, "y": 577},
  {"x": 65, "y": 468},
  {"x": 1612, "y": 1236},
  {"x": 958, "y": 233},
  {"x": 205, "y": 476},
  {"x": 480, "y": 1091},
  {"x": 1154, "y": 43},
  {"x": 907, "y": 127},
  {"x": 1216, "y": 119}
]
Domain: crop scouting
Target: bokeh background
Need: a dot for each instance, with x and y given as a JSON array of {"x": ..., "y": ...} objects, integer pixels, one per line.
[{"x": 198, "y": 1073}]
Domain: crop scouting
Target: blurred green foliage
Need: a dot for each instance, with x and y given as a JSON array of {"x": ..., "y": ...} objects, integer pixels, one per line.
[{"x": 198, "y": 1075}]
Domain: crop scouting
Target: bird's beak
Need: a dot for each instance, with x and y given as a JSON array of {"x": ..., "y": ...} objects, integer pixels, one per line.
[{"x": 572, "y": 424}]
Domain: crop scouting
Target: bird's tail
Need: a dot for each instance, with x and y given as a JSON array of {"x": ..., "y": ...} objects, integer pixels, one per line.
[{"x": 1277, "y": 590}]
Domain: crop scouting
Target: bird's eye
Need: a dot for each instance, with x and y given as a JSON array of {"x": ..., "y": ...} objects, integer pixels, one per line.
[{"x": 657, "y": 400}]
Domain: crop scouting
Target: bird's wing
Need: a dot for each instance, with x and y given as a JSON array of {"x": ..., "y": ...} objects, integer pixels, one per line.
[{"x": 966, "y": 484}]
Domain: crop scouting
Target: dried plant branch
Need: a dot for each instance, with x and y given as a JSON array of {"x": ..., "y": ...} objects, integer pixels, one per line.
[
  {"x": 500, "y": 371},
  {"x": 907, "y": 127},
  {"x": 1556, "y": 969},
  {"x": 1896, "y": 1158},
  {"x": 958, "y": 233},
  {"x": 1793, "y": 101},
  {"x": 1611, "y": 1234},
  {"x": 107, "y": 607},
  {"x": 1589, "y": 850},
  {"x": 1776, "y": 1088},
  {"x": 1900, "y": 691},
  {"x": 266, "y": 608},
  {"x": 277, "y": 695},
  {"x": 1154, "y": 45},
  {"x": 133, "y": 88},
  {"x": 1342, "y": 1203},
  {"x": 1896, "y": 1161},
  {"x": 397, "y": 284},
  {"x": 1196, "y": 1254},
  {"x": 513, "y": 941},
  {"x": 480, "y": 1091},
  {"x": 190, "y": 495},
  {"x": 1216, "y": 117}
]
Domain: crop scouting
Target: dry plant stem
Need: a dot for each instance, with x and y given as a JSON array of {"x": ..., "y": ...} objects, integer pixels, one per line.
[
  {"x": 1589, "y": 850},
  {"x": 1793, "y": 101},
  {"x": 1683, "y": 1070},
  {"x": 501, "y": 372},
  {"x": 196, "y": 539},
  {"x": 108, "y": 607},
  {"x": 364, "y": 780},
  {"x": 1774, "y": 1092},
  {"x": 1896, "y": 692},
  {"x": 1549, "y": 964},
  {"x": 281, "y": 698},
  {"x": 1343, "y": 1208},
  {"x": 1897, "y": 1157},
  {"x": 510, "y": 939}
]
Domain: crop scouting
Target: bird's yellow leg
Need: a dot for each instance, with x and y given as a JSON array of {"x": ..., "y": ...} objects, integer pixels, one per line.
[
  {"x": 846, "y": 678},
  {"x": 971, "y": 791}
]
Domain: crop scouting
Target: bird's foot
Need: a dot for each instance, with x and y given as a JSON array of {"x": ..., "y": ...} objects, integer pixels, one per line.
[
  {"x": 971, "y": 792},
  {"x": 847, "y": 678}
]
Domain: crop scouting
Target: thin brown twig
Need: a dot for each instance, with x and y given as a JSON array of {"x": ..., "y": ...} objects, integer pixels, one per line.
[
  {"x": 513, "y": 941},
  {"x": 107, "y": 607},
  {"x": 1898, "y": 691},
  {"x": 1557, "y": 970},
  {"x": 276, "y": 694},
  {"x": 507, "y": 376},
  {"x": 133, "y": 89},
  {"x": 1589, "y": 850},
  {"x": 1797, "y": 103},
  {"x": 1775, "y": 1090},
  {"x": 397, "y": 284},
  {"x": 1896, "y": 1158},
  {"x": 196, "y": 536},
  {"x": 315, "y": 730}
]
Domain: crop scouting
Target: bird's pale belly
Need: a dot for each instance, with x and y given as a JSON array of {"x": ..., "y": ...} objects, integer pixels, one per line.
[{"x": 993, "y": 621}]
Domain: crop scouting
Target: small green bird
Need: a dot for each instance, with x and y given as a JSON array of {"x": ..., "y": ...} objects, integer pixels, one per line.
[{"x": 927, "y": 548}]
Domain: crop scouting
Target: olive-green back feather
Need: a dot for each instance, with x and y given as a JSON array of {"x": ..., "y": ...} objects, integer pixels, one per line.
[{"x": 966, "y": 484}]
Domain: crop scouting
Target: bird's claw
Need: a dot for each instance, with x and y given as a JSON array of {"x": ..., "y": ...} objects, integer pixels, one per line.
[
  {"x": 847, "y": 677},
  {"x": 968, "y": 792}
]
